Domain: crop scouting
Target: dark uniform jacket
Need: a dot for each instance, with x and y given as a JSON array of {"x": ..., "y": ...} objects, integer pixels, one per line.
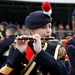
[
  {"x": 71, "y": 53},
  {"x": 46, "y": 60},
  {"x": 4, "y": 46}
]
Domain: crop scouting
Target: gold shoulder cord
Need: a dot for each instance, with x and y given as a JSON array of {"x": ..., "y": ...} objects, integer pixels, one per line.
[{"x": 56, "y": 52}]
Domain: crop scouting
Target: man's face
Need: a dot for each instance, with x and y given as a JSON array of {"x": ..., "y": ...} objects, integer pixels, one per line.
[
  {"x": 2, "y": 27},
  {"x": 7, "y": 32},
  {"x": 44, "y": 31}
]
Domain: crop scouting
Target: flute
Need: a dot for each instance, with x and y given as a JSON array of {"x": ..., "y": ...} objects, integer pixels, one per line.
[{"x": 43, "y": 38}]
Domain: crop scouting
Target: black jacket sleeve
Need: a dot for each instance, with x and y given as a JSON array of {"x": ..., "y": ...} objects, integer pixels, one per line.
[
  {"x": 13, "y": 61},
  {"x": 48, "y": 62},
  {"x": 71, "y": 53},
  {"x": 4, "y": 45},
  {"x": 16, "y": 58}
]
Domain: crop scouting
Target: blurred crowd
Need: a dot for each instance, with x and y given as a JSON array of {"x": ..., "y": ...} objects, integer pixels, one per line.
[
  {"x": 59, "y": 31},
  {"x": 21, "y": 29}
]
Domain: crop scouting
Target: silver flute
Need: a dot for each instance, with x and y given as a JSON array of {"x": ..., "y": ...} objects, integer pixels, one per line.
[{"x": 43, "y": 38}]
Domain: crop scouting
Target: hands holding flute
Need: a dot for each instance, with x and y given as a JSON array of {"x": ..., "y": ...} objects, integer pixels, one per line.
[{"x": 21, "y": 45}]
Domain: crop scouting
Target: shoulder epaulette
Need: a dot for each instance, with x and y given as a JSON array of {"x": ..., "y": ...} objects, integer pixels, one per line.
[{"x": 6, "y": 70}]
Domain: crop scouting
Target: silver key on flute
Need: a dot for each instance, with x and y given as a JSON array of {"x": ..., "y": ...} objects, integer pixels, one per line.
[{"x": 43, "y": 38}]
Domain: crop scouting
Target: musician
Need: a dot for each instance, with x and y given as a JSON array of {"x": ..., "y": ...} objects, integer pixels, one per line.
[
  {"x": 51, "y": 60},
  {"x": 71, "y": 45},
  {"x": 4, "y": 44},
  {"x": 39, "y": 22}
]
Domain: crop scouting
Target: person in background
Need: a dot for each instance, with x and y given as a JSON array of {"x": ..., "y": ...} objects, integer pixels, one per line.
[
  {"x": 54, "y": 29},
  {"x": 71, "y": 45},
  {"x": 68, "y": 31},
  {"x": 18, "y": 29},
  {"x": 5, "y": 44},
  {"x": 3, "y": 26},
  {"x": 68, "y": 34},
  {"x": 24, "y": 31},
  {"x": 60, "y": 32}
]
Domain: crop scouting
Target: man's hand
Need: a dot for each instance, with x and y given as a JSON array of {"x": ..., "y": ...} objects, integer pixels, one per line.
[
  {"x": 37, "y": 43},
  {"x": 21, "y": 45}
]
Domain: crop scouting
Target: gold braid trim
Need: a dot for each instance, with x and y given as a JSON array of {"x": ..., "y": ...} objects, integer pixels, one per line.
[
  {"x": 28, "y": 68},
  {"x": 45, "y": 46},
  {"x": 56, "y": 52},
  {"x": 6, "y": 70},
  {"x": 1, "y": 36}
]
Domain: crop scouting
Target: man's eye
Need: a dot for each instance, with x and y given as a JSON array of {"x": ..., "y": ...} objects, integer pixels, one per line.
[{"x": 43, "y": 27}]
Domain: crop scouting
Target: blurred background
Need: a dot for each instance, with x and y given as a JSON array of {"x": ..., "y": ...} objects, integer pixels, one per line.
[{"x": 15, "y": 11}]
